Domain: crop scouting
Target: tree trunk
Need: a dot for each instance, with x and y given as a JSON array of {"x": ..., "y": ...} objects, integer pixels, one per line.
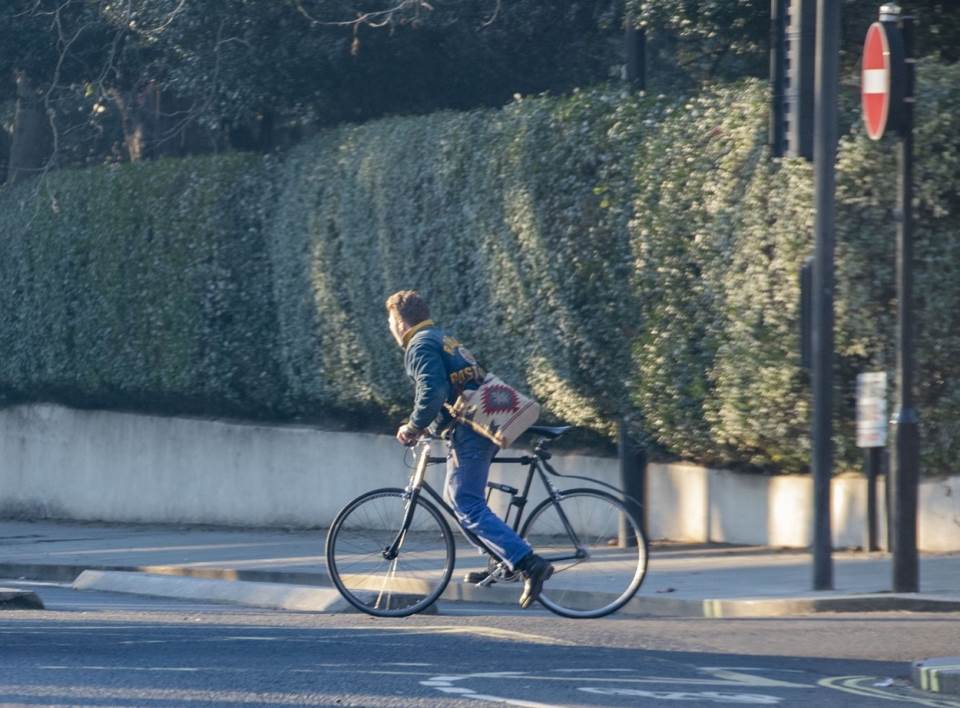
[
  {"x": 130, "y": 125},
  {"x": 157, "y": 124},
  {"x": 31, "y": 146}
]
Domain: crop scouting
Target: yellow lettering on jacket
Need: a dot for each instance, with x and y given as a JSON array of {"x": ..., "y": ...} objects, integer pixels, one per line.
[{"x": 469, "y": 373}]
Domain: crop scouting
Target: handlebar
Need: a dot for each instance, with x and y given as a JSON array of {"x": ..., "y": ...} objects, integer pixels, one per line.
[{"x": 413, "y": 451}]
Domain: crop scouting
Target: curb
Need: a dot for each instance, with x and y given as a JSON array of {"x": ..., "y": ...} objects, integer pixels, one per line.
[
  {"x": 269, "y": 595},
  {"x": 938, "y": 675},
  {"x": 777, "y": 607},
  {"x": 718, "y": 608},
  {"x": 193, "y": 579},
  {"x": 11, "y": 599},
  {"x": 66, "y": 573}
]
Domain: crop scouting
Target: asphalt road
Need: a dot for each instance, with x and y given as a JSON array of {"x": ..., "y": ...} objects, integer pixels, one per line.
[{"x": 105, "y": 649}]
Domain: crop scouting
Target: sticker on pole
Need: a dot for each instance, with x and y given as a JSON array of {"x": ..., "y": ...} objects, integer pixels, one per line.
[
  {"x": 881, "y": 86},
  {"x": 872, "y": 409}
]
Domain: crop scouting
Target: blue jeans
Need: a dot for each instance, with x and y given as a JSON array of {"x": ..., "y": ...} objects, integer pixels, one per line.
[{"x": 468, "y": 465}]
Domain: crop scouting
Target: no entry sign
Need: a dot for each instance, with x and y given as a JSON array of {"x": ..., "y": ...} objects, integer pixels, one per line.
[{"x": 881, "y": 87}]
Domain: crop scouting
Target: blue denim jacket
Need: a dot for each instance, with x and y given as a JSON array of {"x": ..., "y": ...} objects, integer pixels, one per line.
[{"x": 440, "y": 368}]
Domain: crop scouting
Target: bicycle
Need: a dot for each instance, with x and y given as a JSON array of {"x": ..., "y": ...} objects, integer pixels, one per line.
[{"x": 390, "y": 552}]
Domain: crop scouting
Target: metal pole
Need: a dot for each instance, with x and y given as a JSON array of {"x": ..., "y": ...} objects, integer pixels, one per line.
[
  {"x": 633, "y": 481},
  {"x": 825, "y": 146},
  {"x": 873, "y": 469},
  {"x": 799, "y": 84},
  {"x": 778, "y": 29},
  {"x": 806, "y": 317},
  {"x": 905, "y": 458},
  {"x": 887, "y": 497}
]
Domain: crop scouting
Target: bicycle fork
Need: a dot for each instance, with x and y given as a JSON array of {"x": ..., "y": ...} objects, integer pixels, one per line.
[{"x": 411, "y": 494}]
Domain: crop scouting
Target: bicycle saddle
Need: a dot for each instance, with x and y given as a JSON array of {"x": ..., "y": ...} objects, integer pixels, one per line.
[{"x": 547, "y": 431}]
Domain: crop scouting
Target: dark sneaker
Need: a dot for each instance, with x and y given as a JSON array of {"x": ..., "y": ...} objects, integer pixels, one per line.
[{"x": 536, "y": 572}]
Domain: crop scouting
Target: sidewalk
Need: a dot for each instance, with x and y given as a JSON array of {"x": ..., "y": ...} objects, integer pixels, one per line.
[{"x": 698, "y": 581}]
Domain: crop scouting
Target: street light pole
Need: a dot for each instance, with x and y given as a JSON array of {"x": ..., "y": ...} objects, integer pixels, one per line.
[
  {"x": 824, "y": 154},
  {"x": 904, "y": 472},
  {"x": 778, "y": 67}
]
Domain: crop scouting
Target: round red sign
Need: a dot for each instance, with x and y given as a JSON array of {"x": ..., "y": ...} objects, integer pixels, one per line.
[
  {"x": 884, "y": 79},
  {"x": 875, "y": 89}
]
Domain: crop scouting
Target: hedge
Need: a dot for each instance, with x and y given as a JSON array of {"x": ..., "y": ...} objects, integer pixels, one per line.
[
  {"x": 139, "y": 287},
  {"x": 619, "y": 256}
]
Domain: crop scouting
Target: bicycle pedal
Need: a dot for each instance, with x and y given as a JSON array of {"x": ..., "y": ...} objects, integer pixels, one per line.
[
  {"x": 478, "y": 577},
  {"x": 502, "y": 574},
  {"x": 487, "y": 581}
]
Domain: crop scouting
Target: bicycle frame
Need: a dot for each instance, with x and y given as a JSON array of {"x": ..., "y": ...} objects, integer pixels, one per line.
[{"x": 533, "y": 463}]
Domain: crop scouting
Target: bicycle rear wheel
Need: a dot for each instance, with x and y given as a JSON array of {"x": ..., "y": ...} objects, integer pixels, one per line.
[
  {"x": 598, "y": 568},
  {"x": 363, "y": 571}
]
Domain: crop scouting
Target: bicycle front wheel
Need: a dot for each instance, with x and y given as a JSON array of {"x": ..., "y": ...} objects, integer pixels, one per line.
[
  {"x": 597, "y": 548},
  {"x": 373, "y": 579}
]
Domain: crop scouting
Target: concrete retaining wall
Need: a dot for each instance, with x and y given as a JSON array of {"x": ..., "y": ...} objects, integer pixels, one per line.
[{"x": 57, "y": 462}]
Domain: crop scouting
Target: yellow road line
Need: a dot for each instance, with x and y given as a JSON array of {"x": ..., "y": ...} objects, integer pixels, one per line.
[
  {"x": 487, "y": 632},
  {"x": 491, "y": 633}
]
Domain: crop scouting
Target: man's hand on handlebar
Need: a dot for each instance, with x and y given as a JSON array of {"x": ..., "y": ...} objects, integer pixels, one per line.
[{"x": 408, "y": 435}]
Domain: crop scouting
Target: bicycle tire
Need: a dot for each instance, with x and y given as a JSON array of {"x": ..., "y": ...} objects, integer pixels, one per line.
[
  {"x": 405, "y": 585},
  {"x": 611, "y": 573}
]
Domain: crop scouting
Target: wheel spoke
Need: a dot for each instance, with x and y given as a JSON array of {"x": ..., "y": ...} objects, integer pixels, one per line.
[
  {"x": 406, "y": 583},
  {"x": 386, "y": 582}
]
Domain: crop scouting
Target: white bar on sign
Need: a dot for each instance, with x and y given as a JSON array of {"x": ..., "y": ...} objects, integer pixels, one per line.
[{"x": 875, "y": 81}]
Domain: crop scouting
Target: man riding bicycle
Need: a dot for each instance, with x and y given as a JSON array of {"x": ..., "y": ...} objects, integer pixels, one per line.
[{"x": 441, "y": 368}]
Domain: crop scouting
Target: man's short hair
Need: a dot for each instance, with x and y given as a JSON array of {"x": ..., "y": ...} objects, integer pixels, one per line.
[{"x": 408, "y": 304}]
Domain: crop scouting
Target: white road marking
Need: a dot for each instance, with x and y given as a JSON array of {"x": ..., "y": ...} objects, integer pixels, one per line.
[
  {"x": 711, "y": 696},
  {"x": 511, "y": 701},
  {"x": 445, "y": 685},
  {"x": 856, "y": 685},
  {"x": 407, "y": 663},
  {"x": 720, "y": 676},
  {"x": 579, "y": 671},
  {"x": 136, "y": 668},
  {"x": 735, "y": 676}
]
